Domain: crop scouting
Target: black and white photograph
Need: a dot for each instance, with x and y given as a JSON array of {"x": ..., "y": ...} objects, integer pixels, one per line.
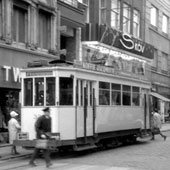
[{"x": 84, "y": 84}]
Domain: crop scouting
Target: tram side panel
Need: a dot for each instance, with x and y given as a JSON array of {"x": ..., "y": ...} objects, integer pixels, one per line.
[
  {"x": 110, "y": 119},
  {"x": 29, "y": 116}
]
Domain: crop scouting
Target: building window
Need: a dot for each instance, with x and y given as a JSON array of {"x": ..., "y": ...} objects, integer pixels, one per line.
[
  {"x": 153, "y": 16},
  {"x": 86, "y": 3},
  {"x": 71, "y": 2},
  {"x": 115, "y": 13},
  {"x": 126, "y": 18},
  {"x": 164, "y": 24},
  {"x": 154, "y": 62},
  {"x": 44, "y": 38},
  {"x": 19, "y": 24},
  {"x": 103, "y": 11},
  {"x": 164, "y": 62},
  {"x": 136, "y": 23}
]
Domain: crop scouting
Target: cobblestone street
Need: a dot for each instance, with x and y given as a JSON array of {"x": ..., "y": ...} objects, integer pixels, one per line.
[{"x": 151, "y": 155}]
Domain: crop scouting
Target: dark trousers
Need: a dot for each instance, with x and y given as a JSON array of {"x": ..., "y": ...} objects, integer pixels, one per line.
[
  {"x": 46, "y": 153},
  {"x": 156, "y": 131}
]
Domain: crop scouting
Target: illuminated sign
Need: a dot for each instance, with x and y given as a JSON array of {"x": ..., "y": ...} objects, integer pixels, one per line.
[{"x": 127, "y": 42}]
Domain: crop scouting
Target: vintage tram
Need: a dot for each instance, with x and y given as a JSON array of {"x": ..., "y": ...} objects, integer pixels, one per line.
[{"x": 91, "y": 105}]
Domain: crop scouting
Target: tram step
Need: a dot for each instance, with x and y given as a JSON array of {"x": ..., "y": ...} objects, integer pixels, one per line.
[{"x": 84, "y": 147}]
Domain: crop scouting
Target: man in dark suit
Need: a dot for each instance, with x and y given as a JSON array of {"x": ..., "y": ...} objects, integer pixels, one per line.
[{"x": 43, "y": 130}]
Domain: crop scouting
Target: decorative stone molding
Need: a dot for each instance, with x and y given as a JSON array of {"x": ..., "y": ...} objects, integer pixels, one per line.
[{"x": 31, "y": 46}]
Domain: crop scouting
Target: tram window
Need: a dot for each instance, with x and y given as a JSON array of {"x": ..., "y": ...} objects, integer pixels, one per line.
[
  {"x": 39, "y": 91},
  {"x": 50, "y": 95},
  {"x": 116, "y": 94},
  {"x": 28, "y": 89},
  {"x": 104, "y": 93},
  {"x": 66, "y": 91},
  {"x": 91, "y": 94},
  {"x": 126, "y": 95},
  {"x": 77, "y": 93},
  {"x": 81, "y": 87},
  {"x": 135, "y": 96}
]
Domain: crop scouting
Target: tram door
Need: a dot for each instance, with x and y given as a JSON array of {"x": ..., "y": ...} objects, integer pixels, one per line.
[
  {"x": 146, "y": 108},
  {"x": 85, "y": 108}
]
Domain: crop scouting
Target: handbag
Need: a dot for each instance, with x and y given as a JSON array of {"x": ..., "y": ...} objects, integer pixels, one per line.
[
  {"x": 41, "y": 143},
  {"x": 156, "y": 131}
]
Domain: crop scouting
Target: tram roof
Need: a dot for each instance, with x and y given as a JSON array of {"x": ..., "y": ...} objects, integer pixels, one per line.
[{"x": 82, "y": 67}]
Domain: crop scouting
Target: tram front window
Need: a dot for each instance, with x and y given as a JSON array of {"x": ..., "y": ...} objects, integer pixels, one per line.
[
  {"x": 28, "y": 89},
  {"x": 39, "y": 91},
  {"x": 66, "y": 91},
  {"x": 50, "y": 95}
]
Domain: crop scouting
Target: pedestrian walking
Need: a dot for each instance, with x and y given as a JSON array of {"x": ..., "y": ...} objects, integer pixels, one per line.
[
  {"x": 43, "y": 130},
  {"x": 156, "y": 124},
  {"x": 13, "y": 128}
]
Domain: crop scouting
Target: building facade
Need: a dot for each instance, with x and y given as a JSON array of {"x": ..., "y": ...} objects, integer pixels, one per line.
[
  {"x": 119, "y": 26},
  {"x": 32, "y": 30},
  {"x": 157, "y": 33}
]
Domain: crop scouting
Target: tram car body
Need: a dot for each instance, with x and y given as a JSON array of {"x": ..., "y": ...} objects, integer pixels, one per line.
[{"x": 90, "y": 105}]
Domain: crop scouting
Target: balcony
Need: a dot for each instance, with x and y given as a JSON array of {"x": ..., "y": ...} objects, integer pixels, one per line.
[{"x": 71, "y": 14}]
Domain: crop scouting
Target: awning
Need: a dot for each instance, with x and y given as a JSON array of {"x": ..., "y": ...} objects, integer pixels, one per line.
[{"x": 157, "y": 95}]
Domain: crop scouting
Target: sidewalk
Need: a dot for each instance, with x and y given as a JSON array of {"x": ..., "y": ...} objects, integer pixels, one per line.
[
  {"x": 5, "y": 152},
  {"x": 5, "y": 149},
  {"x": 165, "y": 126}
]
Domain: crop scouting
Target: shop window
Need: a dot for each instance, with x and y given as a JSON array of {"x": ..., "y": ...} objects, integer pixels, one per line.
[
  {"x": 104, "y": 93},
  {"x": 39, "y": 91},
  {"x": 66, "y": 91},
  {"x": 19, "y": 23},
  {"x": 50, "y": 95},
  {"x": 44, "y": 38},
  {"x": 116, "y": 94},
  {"x": 135, "y": 96},
  {"x": 28, "y": 91},
  {"x": 126, "y": 95}
]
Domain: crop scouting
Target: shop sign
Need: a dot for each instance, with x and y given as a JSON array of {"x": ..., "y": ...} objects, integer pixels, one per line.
[
  {"x": 104, "y": 69},
  {"x": 42, "y": 73},
  {"x": 11, "y": 73},
  {"x": 129, "y": 43}
]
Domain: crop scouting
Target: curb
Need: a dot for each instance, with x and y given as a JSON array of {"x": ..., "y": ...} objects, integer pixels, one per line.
[{"x": 3, "y": 158}]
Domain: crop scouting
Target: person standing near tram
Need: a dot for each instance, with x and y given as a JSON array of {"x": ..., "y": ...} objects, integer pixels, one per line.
[
  {"x": 43, "y": 130},
  {"x": 13, "y": 128},
  {"x": 157, "y": 123}
]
